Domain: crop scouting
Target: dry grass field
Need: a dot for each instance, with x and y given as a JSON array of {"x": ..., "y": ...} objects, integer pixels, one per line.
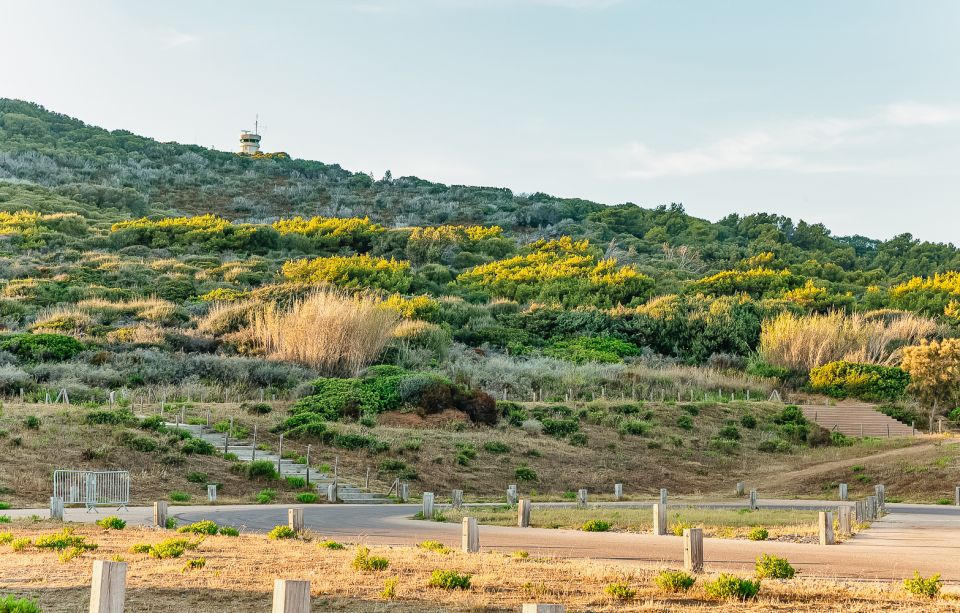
[{"x": 238, "y": 576}]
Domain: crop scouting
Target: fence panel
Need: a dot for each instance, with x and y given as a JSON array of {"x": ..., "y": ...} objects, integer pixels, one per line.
[{"x": 92, "y": 488}]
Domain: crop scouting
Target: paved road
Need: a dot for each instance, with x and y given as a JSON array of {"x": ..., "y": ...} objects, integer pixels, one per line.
[{"x": 912, "y": 537}]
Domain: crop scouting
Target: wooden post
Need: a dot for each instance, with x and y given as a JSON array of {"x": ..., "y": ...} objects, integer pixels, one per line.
[
  {"x": 825, "y": 525},
  {"x": 956, "y": 496},
  {"x": 858, "y": 511},
  {"x": 456, "y": 500},
  {"x": 663, "y": 496},
  {"x": 740, "y": 488},
  {"x": 529, "y": 607},
  {"x": 295, "y": 519},
  {"x": 523, "y": 514},
  {"x": 618, "y": 491},
  {"x": 660, "y": 519},
  {"x": 366, "y": 481},
  {"x": 843, "y": 491},
  {"x": 253, "y": 450},
  {"x": 427, "y": 505},
  {"x": 212, "y": 492},
  {"x": 512, "y": 495},
  {"x": 280, "y": 454},
  {"x": 308, "y": 466},
  {"x": 582, "y": 498},
  {"x": 753, "y": 500},
  {"x": 56, "y": 508},
  {"x": 844, "y": 521},
  {"x": 291, "y": 596},
  {"x": 693, "y": 550},
  {"x": 109, "y": 587},
  {"x": 881, "y": 493},
  {"x": 404, "y": 492},
  {"x": 470, "y": 537},
  {"x": 160, "y": 514}
]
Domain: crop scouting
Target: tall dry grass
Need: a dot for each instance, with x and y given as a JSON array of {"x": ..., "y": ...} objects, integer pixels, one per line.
[
  {"x": 803, "y": 342},
  {"x": 335, "y": 333}
]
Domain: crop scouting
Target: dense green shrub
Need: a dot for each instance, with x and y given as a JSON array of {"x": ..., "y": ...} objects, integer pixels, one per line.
[
  {"x": 264, "y": 470},
  {"x": 449, "y": 580},
  {"x": 363, "y": 561},
  {"x": 591, "y": 349},
  {"x": 205, "y": 526},
  {"x": 635, "y": 427},
  {"x": 596, "y": 525},
  {"x": 772, "y": 567},
  {"x": 281, "y": 532},
  {"x": 920, "y": 586},
  {"x": 758, "y": 534},
  {"x": 496, "y": 447},
  {"x": 176, "y": 496},
  {"x": 112, "y": 523},
  {"x": 113, "y": 418},
  {"x": 730, "y": 586},
  {"x": 907, "y": 416},
  {"x": 865, "y": 381},
  {"x": 266, "y": 496},
  {"x": 620, "y": 590},
  {"x": 559, "y": 427},
  {"x": 12, "y": 604},
  {"x": 41, "y": 347},
  {"x": 671, "y": 581},
  {"x": 685, "y": 422},
  {"x": 306, "y": 498},
  {"x": 197, "y": 446},
  {"x": 525, "y": 473}
]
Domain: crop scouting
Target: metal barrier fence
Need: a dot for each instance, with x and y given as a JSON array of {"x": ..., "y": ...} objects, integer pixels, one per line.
[{"x": 92, "y": 488}]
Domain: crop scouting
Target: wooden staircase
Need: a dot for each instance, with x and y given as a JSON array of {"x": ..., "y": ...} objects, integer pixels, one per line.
[{"x": 856, "y": 420}]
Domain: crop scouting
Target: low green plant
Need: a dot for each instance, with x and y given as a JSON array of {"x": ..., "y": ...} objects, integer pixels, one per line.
[
  {"x": 328, "y": 544},
  {"x": 62, "y": 540},
  {"x": 70, "y": 553},
  {"x": 4, "y": 506},
  {"x": 685, "y": 422},
  {"x": 677, "y": 527},
  {"x": 436, "y": 546},
  {"x": 674, "y": 581},
  {"x": 520, "y": 554},
  {"x": 281, "y": 532},
  {"x": 525, "y": 473},
  {"x": 6, "y": 538},
  {"x": 229, "y": 531},
  {"x": 195, "y": 564},
  {"x": 758, "y": 534},
  {"x": 19, "y": 544},
  {"x": 306, "y": 498},
  {"x": 266, "y": 496},
  {"x": 596, "y": 525},
  {"x": 12, "y": 604},
  {"x": 205, "y": 526},
  {"x": 730, "y": 586},
  {"x": 927, "y": 587},
  {"x": 620, "y": 590},
  {"x": 296, "y": 482},
  {"x": 390, "y": 588},
  {"x": 112, "y": 523},
  {"x": 772, "y": 567},
  {"x": 495, "y": 447},
  {"x": 363, "y": 561},
  {"x": 5, "y": 519},
  {"x": 32, "y": 422},
  {"x": 177, "y": 496},
  {"x": 197, "y": 477},
  {"x": 449, "y": 580},
  {"x": 264, "y": 470},
  {"x": 171, "y": 523}
]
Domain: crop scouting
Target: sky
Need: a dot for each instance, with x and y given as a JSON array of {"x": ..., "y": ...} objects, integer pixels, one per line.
[{"x": 842, "y": 112}]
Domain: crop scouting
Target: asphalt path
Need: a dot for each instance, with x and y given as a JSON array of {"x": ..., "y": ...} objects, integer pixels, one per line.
[{"x": 924, "y": 538}]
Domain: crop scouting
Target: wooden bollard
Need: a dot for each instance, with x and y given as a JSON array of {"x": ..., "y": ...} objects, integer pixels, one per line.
[
  {"x": 663, "y": 496},
  {"x": 618, "y": 491},
  {"x": 956, "y": 496},
  {"x": 843, "y": 491},
  {"x": 825, "y": 526},
  {"x": 523, "y": 514},
  {"x": 512, "y": 495},
  {"x": 880, "y": 491},
  {"x": 858, "y": 511},
  {"x": 843, "y": 519},
  {"x": 404, "y": 492},
  {"x": 212, "y": 492},
  {"x": 291, "y": 596},
  {"x": 543, "y": 608},
  {"x": 160, "y": 514},
  {"x": 660, "y": 519},
  {"x": 295, "y": 519},
  {"x": 56, "y": 508},
  {"x": 109, "y": 587},
  {"x": 740, "y": 488},
  {"x": 753, "y": 500},
  {"x": 427, "y": 510},
  {"x": 470, "y": 535},
  {"x": 581, "y": 498},
  {"x": 456, "y": 500},
  {"x": 693, "y": 549}
]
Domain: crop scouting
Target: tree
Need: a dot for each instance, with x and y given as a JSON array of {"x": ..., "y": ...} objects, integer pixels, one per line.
[{"x": 934, "y": 369}]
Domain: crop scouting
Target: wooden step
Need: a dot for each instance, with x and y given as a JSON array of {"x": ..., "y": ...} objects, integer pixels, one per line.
[{"x": 856, "y": 421}]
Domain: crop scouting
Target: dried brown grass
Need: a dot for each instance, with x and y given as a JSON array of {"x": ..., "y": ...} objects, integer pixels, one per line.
[{"x": 335, "y": 333}]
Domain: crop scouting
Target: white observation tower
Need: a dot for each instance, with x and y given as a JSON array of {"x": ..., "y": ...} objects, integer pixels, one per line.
[{"x": 250, "y": 141}]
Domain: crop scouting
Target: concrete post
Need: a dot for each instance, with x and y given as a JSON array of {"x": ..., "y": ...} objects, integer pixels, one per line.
[
  {"x": 660, "y": 519},
  {"x": 825, "y": 525},
  {"x": 663, "y": 496},
  {"x": 109, "y": 587},
  {"x": 740, "y": 488},
  {"x": 844, "y": 521},
  {"x": 291, "y": 596},
  {"x": 470, "y": 537},
  {"x": 582, "y": 498},
  {"x": 843, "y": 491},
  {"x": 404, "y": 492},
  {"x": 427, "y": 505},
  {"x": 456, "y": 499},
  {"x": 881, "y": 493},
  {"x": 160, "y": 514},
  {"x": 956, "y": 496},
  {"x": 56, "y": 508},
  {"x": 332, "y": 493},
  {"x": 523, "y": 514},
  {"x": 512, "y": 495},
  {"x": 618, "y": 491},
  {"x": 295, "y": 519},
  {"x": 693, "y": 550},
  {"x": 753, "y": 500},
  {"x": 212, "y": 492}
]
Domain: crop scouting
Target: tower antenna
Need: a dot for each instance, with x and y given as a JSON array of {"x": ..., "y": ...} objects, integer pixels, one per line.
[{"x": 256, "y": 124}]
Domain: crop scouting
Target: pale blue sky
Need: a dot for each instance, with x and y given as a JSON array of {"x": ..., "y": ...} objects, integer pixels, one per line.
[{"x": 841, "y": 112}]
